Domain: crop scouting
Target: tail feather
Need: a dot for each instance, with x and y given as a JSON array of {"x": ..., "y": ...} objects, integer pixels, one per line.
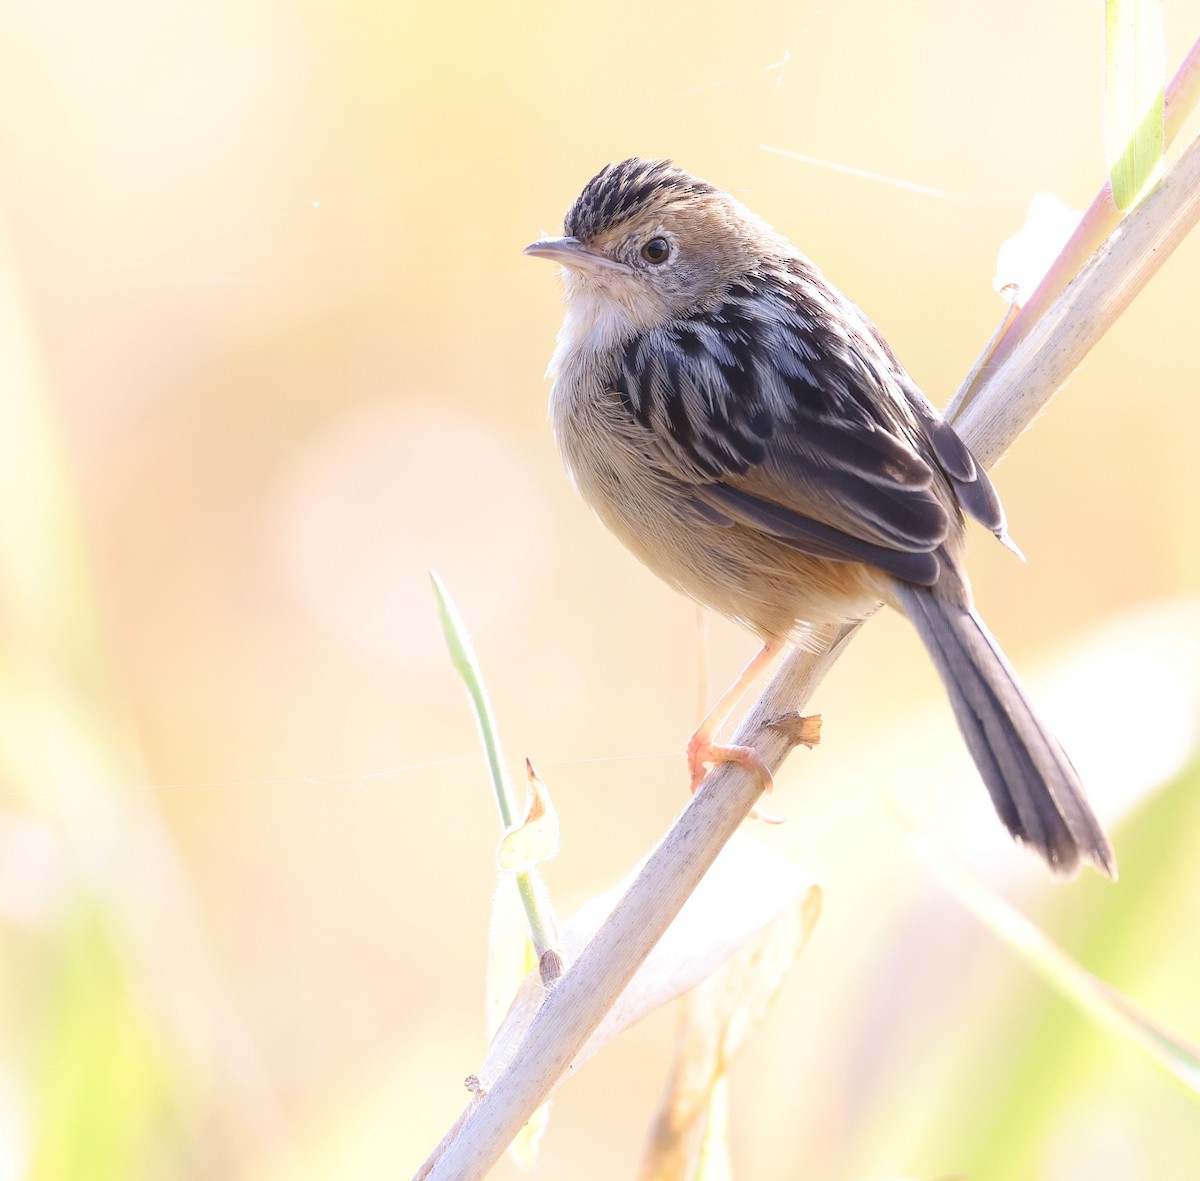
[{"x": 1035, "y": 789}]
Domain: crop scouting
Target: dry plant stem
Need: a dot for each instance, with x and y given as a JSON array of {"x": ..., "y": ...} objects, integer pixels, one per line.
[
  {"x": 1016, "y": 390},
  {"x": 1004, "y": 407},
  {"x": 576, "y": 1005},
  {"x": 1181, "y": 96},
  {"x": 1101, "y": 218}
]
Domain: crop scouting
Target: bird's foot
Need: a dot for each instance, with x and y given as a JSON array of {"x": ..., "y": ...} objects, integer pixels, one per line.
[{"x": 702, "y": 753}]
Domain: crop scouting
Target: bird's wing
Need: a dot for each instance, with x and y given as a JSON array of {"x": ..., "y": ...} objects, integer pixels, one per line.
[{"x": 786, "y": 413}]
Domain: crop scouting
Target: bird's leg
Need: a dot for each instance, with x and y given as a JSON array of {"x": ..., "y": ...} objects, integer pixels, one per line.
[{"x": 702, "y": 751}]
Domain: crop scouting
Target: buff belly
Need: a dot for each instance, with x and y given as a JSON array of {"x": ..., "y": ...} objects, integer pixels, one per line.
[{"x": 744, "y": 574}]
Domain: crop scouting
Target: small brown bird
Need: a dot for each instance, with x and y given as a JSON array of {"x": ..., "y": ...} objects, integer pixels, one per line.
[{"x": 745, "y": 430}]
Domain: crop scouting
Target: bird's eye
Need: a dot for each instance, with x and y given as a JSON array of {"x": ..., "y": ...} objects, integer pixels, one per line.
[{"x": 656, "y": 250}]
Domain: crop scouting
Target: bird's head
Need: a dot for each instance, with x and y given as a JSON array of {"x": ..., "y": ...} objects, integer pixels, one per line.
[{"x": 650, "y": 243}]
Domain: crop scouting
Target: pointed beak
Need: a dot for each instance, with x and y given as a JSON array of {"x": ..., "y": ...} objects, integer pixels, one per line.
[{"x": 571, "y": 252}]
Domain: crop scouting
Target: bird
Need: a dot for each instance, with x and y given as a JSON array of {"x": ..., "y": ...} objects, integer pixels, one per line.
[{"x": 746, "y": 431}]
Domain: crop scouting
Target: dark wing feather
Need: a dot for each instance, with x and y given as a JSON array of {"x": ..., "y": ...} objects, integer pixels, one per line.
[
  {"x": 974, "y": 490},
  {"x": 811, "y": 537},
  {"x": 785, "y": 410}
]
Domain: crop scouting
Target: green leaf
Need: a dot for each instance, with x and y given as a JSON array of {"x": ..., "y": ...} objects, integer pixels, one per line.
[
  {"x": 511, "y": 953},
  {"x": 462, "y": 655},
  {"x": 1105, "y": 1005},
  {"x": 1135, "y": 69}
]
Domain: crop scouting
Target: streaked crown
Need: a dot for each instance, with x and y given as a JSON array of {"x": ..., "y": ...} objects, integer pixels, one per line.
[{"x": 632, "y": 188}]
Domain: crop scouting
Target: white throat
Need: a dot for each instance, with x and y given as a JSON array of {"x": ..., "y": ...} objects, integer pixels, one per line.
[{"x": 601, "y": 318}]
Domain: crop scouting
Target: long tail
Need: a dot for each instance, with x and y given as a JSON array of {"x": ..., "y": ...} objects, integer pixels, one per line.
[{"x": 1033, "y": 786}]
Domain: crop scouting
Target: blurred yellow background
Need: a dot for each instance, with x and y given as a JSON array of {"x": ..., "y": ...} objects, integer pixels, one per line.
[{"x": 271, "y": 352}]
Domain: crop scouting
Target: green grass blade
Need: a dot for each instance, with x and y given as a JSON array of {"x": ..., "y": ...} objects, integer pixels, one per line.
[
  {"x": 1105, "y": 1005},
  {"x": 1135, "y": 71},
  {"x": 535, "y": 837},
  {"x": 462, "y": 654}
]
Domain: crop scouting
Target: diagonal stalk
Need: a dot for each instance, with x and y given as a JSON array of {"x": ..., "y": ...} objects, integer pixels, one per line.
[{"x": 996, "y": 417}]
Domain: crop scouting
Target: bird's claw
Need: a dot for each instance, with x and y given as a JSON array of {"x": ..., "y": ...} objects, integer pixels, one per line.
[{"x": 702, "y": 754}]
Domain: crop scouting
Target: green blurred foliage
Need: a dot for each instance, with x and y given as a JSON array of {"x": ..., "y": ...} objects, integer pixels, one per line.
[
  {"x": 1046, "y": 1063},
  {"x": 104, "y": 1098}
]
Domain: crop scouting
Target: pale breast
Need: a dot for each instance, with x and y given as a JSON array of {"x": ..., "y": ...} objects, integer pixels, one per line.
[{"x": 741, "y": 573}]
